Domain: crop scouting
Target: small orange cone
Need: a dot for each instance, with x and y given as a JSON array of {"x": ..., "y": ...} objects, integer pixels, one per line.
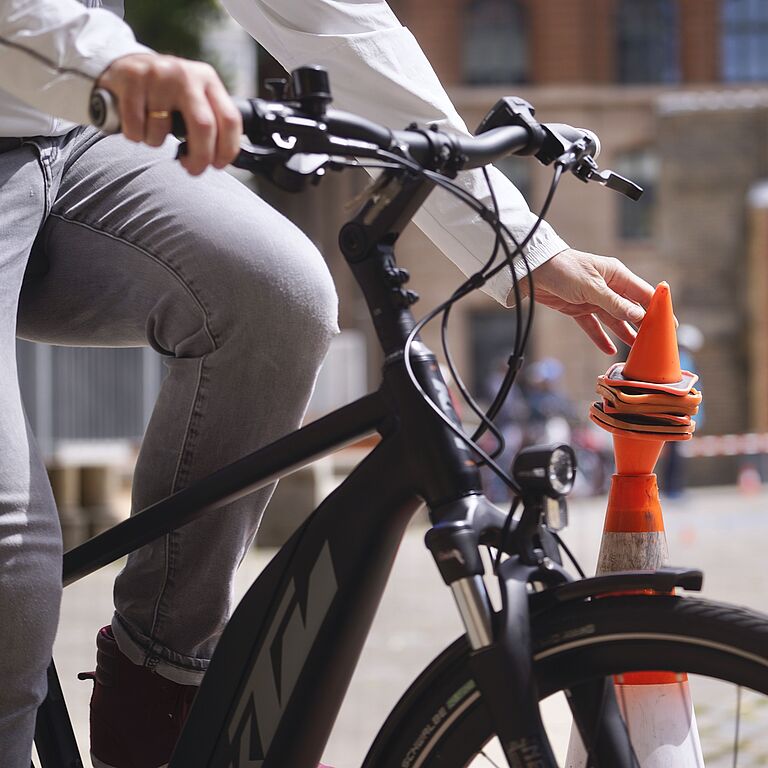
[
  {"x": 657, "y": 706},
  {"x": 654, "y": 356}
]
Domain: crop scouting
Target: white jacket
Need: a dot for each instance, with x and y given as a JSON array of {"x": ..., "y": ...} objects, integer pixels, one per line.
[{"x": 51, "y": 51}]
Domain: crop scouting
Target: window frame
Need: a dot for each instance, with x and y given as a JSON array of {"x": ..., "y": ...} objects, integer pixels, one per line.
[
  {"x": 744, "y": 41},
  {"x": 643, "y": 57},
  {"x": 511, "y": 35}
]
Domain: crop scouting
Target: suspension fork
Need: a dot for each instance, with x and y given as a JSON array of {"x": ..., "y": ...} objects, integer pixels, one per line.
[
  {"x": 504, "y": 674},
  {"x": 506, "y": 665},
  {"x": 501, "y": 655},
  {"x": 500, "y": 658}
]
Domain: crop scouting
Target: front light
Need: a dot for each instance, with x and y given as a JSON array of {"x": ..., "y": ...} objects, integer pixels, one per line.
[
  {"x": 562, "y": 470},
  {"x": 545, "y": 470}
]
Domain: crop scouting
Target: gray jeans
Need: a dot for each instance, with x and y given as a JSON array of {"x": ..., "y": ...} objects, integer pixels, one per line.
[{"x": 122, "y": 248}]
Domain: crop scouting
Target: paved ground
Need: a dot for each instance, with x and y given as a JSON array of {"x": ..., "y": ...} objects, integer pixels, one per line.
[{"x": 720, "y": 530}]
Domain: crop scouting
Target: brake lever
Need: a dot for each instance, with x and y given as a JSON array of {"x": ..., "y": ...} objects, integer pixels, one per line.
[
  {"x": 307, "y": 164},
  {"x": 290, "y": 172},
  {"x": 619, "y": 184},
  {"x": 587, "y": 170},
  {"x": 252, "y": 157}
]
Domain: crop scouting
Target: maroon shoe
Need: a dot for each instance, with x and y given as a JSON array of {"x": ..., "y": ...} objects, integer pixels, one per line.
[{"x": 136, "y": 715}]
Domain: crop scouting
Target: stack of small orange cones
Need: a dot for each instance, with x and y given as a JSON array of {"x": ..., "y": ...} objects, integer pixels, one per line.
[
  {"x": 646, "y": 401},
  {"x": 649, "y": 397}
]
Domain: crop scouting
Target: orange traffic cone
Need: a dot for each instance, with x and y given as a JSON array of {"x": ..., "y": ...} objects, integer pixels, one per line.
[
  {"x": 654, "y": 356},
  {"x": 633, "y": 534},
  {"x": 657, "y": 706}
]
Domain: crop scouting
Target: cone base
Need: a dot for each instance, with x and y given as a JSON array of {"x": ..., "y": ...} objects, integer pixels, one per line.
[
  {"x": 662, "y": 723},
  {"x": 633, "y": 505},
  {"x": 633, "y": 534}
]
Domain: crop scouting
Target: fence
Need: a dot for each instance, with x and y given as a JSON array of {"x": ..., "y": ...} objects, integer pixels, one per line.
[{"x": 91, "y": 406}]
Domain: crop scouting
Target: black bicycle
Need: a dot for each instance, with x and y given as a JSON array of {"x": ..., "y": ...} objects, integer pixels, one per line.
[{"x": 282, "y": 666}]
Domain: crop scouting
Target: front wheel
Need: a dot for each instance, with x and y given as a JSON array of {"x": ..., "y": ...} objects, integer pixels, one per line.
[{"x": 442, "y": 722}]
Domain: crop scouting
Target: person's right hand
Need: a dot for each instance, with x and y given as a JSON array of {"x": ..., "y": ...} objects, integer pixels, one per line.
[
  {"x": 146, "y": 84},
  {"x": 595, "y": 291}
]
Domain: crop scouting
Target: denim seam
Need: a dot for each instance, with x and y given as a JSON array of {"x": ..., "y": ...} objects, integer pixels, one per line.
[
  {"x": 158, "y": 617},
  {"x": 150, "y": 651},
  {"x": 192, "y": 433},
  {"x": 186, "y": 451},
  {"x": 84, "y": 139},
  {"x": 194, "y": 412},
  {"x": 183, "y": 281},
  {"x": 45, "y": 168}
]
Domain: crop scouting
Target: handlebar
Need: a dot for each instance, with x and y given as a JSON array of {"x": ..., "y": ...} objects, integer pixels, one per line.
[
  {"x": 305, "y": 125},
  {"x": 342, "y": 132}
]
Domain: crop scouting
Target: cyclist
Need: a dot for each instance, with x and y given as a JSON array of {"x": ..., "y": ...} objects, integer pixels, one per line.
[{"x": 104, "y": 241}]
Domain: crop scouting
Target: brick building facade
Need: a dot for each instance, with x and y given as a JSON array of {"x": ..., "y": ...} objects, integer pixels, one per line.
[{"x": 676, "y": 91}]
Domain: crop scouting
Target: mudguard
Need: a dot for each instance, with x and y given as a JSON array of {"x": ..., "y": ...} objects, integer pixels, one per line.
[{"x": 663, "y": 580}]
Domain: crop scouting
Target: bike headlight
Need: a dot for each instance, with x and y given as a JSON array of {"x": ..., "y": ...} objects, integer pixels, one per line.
[
  {"x": 545, "y": 469},
  {"x": 562, "y": 469}
]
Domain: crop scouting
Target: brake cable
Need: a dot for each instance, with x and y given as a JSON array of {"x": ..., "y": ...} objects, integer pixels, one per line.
[
  {"x": 486, "y": 420},
  {"x": 472, "y": 283},
  {"x": 513, "y": 369},
  {"x": 475, "y": 281}
]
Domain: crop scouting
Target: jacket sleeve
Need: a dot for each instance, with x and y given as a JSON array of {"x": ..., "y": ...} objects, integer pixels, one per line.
[
  {"x": 378, "y": 70},
  {"x": 51, "y": 51}
]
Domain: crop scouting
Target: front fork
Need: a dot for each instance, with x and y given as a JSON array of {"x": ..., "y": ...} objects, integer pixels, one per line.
[{"x": 501, "y": 658}]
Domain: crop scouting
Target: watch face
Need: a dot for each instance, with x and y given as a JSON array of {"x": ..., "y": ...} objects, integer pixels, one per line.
[{"x": 561, "y": 471}]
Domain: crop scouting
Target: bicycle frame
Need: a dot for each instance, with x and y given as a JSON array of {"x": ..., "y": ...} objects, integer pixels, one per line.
[{"x": 284, "y": 661}]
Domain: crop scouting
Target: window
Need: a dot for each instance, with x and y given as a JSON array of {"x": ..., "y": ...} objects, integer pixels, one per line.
[
  {"x": 745, "y": 40},
  {"x": 647, "y": 39},
  {"x": 495, "y": 47},
  {"x": 636, "y": 216}
]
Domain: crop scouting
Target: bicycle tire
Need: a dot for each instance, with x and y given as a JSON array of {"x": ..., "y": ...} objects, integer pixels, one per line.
[{"x": 440, "y": 722}]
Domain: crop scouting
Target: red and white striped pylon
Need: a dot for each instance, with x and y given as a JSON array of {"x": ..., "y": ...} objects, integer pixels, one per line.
[
  {"x": 657, "y": 706},
  {"x": 661, "y": 724}
]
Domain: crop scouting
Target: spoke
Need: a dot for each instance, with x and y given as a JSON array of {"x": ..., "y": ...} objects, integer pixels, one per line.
[
  {"x": 492, "y": 762},
  {"x": 736, "y": 729}
]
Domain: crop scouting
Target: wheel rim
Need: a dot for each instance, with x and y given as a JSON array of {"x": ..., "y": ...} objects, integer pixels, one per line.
[{"x": 442, "y": 721}]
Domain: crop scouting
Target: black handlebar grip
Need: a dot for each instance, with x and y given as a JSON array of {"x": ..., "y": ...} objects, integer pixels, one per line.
[{"x": 178, "y": 126}]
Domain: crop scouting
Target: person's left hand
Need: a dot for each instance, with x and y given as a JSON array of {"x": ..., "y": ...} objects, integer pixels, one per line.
[{"x": 596, "y": 291}]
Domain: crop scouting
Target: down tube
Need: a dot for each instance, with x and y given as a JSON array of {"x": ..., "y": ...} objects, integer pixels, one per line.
[{"x": 283, "y": 665}]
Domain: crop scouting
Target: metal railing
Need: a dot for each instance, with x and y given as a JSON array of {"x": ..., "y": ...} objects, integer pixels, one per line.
[{"x": 90, "y": 406}]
